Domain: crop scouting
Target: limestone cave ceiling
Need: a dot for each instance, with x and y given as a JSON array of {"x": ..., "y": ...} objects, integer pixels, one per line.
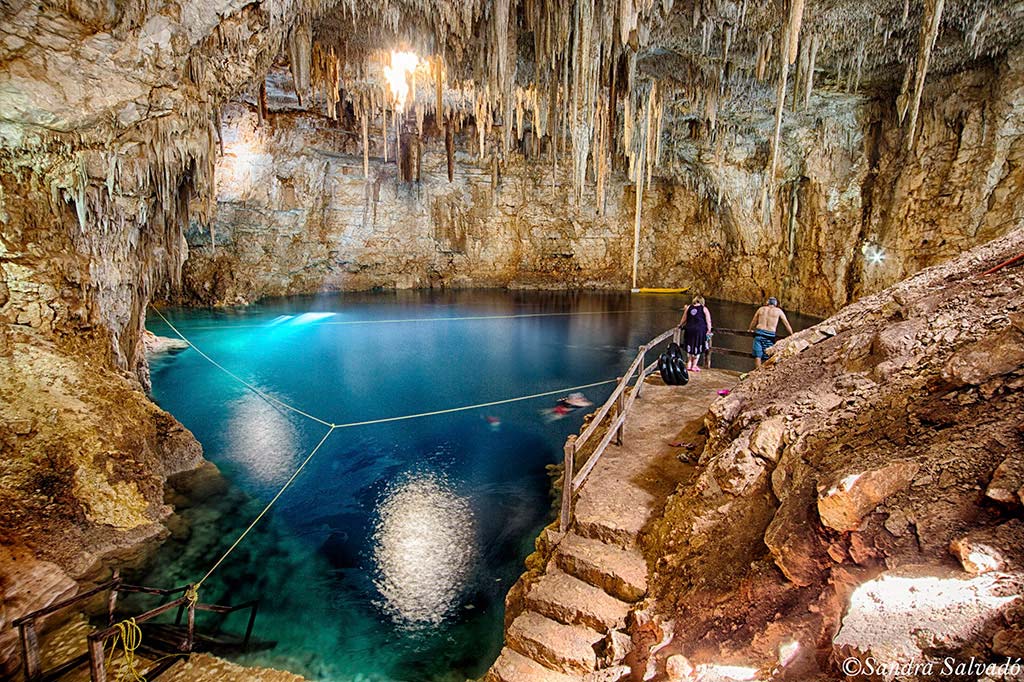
[{"x": 597, "y": 78}]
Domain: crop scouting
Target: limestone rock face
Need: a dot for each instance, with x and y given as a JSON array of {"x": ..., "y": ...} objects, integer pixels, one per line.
[
  {"x": 296, "y": 215},
  {"x": 991, "y": 549},
  {"x": 1007, "y": 484},
  {"x": 84, "y": 456},
  {"x": 888, "y": 512},
  {"x": 905, "y": 613},
  {"x": 842, "y": 504}
]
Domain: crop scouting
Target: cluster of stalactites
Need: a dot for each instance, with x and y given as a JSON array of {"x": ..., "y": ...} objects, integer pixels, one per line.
[
  {"x": 583, "y": 71},
  {"x": 148, "y": 183}
]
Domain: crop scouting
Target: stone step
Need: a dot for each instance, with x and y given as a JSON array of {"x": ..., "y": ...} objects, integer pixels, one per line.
[
  {"x": 612, "y": 509},
  {"x": 512, "y": 666},
  {"x": 620, "y": 572},
  {"x": 567, "y": 648},
  {"x": 571, "y": 601}
]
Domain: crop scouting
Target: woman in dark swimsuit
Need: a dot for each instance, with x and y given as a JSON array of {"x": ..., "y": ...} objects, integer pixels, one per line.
[{"x": 696, "y": 324}]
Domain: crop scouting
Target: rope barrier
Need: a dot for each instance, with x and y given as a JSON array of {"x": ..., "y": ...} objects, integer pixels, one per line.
[
  {"x": 464, "y": 318},
  {"x": 193, "y": 592},
  {"x": 265, "y": 396}
]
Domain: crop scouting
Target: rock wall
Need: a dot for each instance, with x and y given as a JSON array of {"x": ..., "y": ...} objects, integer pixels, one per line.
[
  {"x": 856, "y": 213},
  {"x": 860, "y": 497},
  {"x": 106, "y": 137}
]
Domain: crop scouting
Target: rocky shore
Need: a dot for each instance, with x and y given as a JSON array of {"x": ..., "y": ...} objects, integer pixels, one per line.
[{"x": 856, "y": 507}]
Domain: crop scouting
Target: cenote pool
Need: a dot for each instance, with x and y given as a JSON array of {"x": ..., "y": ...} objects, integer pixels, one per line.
[{"x": 390, "y": 556}]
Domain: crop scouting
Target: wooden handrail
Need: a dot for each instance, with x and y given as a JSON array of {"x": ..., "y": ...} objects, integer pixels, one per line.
[
  {"x": 734, "y": 332},
  {"x": 52, "y": 608},
  {"x": 573, "y": 481},
  {"x": 97, "y": 640}
]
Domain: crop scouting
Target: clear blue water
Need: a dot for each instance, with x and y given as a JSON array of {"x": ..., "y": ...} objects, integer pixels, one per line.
[{"x": 390, "y": 556}]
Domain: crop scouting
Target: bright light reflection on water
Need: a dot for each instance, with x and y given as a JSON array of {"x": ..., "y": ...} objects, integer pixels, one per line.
[
  {"x": 423, "y": 547},
  {"x": 261, "y": 440}
]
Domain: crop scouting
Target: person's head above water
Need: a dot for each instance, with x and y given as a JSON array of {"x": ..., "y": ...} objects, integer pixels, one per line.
[{"x": 773, "y": 301}]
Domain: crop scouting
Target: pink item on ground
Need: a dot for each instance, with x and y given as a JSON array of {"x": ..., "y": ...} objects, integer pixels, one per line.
[{"x": 723, "y": 391}]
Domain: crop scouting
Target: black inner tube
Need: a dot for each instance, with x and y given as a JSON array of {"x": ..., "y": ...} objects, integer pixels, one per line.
[
  {"x": 679, "y": 369},
  {"x": 665, "y": 369}
]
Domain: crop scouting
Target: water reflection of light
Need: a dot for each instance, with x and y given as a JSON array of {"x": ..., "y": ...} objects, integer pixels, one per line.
[
  {"x": 261, "y": 440},
  {"x": 423, "y": 549},
  {"x": 306, "y": 318},
  {"x": 279, "y": 319}
]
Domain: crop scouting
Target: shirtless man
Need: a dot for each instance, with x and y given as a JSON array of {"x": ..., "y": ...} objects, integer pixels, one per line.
[{"x": 764, "y": 324}]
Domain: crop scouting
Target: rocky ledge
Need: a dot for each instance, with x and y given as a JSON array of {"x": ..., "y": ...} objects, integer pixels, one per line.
[{"x": 84, "y": 457}]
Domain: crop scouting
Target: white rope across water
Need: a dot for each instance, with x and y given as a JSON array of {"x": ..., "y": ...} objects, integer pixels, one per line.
[
  {"x": 406, "y": 320},
  {"x": 332, "y": 427},
  {"x": 265, "y": 396},
  {"x": 382, "y": 420}
]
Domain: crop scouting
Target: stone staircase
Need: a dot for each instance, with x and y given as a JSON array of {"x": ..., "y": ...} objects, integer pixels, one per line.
[
  {"x": 575, "y": 614},
  {"x": 572, "y": 622}
]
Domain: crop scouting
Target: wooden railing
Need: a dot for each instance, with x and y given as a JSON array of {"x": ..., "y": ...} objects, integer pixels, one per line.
[
  {"x": 97, "y": 640},
  {"x": 718, "y": 350},
  {"x": 618, "y": 406},
  {"x": 573, "y": 480}
]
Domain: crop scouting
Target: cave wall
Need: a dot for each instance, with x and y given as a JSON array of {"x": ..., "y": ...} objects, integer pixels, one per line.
[
  {"x": 294, "y": 214},
  {"x": 106, "y": 142}
]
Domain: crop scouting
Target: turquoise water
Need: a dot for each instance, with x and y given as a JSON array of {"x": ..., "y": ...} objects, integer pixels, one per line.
[{"x": 390, "y": 556}]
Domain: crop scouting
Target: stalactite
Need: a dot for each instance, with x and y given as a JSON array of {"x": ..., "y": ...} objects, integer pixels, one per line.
[
  {"x": 929, "y": 32},
  {"x": 220, "y": 130},
  {"x": 449, "y": 149},
  {"x": 365, "y": 125},
  {"x": 809, "y": 74},
  {"x": 639, "y": 163},
  {"x": 796, "y": 15},
  {"x": 785, "y": 50},
  {"x": 299, "y": 56},
  {"x": 438, "y": 67},
  {"x": 262, "y": 105}
]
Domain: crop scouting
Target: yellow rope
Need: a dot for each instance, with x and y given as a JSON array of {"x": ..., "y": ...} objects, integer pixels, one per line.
[{"x": 130, "y": 636}]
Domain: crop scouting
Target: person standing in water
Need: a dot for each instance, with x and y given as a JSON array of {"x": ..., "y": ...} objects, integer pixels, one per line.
[
  {"x": 696, "y": 324},
  {"x": 765, "y": 322}
]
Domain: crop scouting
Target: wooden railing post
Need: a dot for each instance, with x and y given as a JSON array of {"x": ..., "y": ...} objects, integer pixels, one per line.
[
  {"x": 30, "y": 650},
  {"x": 112, "y": 598},
  {"x": 191, "y": 626},
  {"x": 643, "y": 367},
  {"x": 676, "y": 335},
  {"x": 97, "y": 670},
  {"x": 619, "y": 406},
  {"x": 248, "y": 629},
  {"x": 570, "y": 455}
]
